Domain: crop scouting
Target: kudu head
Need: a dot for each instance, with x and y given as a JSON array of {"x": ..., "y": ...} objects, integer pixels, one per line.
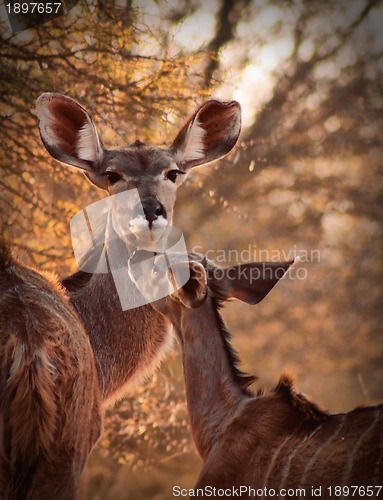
[
  {"x": 185, "y": 281},
  {"x": 69, "y": 135}
]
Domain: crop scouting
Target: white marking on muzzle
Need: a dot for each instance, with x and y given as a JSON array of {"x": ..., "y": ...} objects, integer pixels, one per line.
[
  {"x": 160, "y": 222},
  {"x": 140, "y": 223}
]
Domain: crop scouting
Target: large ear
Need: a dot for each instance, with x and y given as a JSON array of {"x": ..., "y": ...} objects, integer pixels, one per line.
[
  {"x": 209, "y": 134},
  {"x": 247, "y": 282},
  {"x": 194, "y": 292},
  {"x": 69, "y": 134}
]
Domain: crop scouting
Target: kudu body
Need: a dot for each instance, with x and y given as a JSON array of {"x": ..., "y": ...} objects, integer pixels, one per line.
[
  {"x": 50, "y": 414},
  {"x": 276, "y": 440},
  {"x": 64, "y": 360}
]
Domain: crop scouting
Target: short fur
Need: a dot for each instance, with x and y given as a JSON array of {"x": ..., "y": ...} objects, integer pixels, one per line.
[
  {"x": 46, "y": 360},
  {"x": 127, "y": 343},
  {"x": 47, "y": 386},
  {"x": 277, "y": 439}
]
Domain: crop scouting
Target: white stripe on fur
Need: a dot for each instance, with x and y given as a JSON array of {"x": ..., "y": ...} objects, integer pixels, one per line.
[
  {"x": 347, "y": 472},
  {"x": 315, "y": 456}
]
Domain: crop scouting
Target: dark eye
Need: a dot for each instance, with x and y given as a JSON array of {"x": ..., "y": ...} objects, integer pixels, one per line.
[
  {"x": 113, "y": 177},
  {"x": 172, "y": 174}
]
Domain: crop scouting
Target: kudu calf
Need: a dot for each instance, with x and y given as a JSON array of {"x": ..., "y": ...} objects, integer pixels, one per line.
[
  {"x": 63, "y": 360},
  {"x": 276, "y": 441},
  {"x": 49, "y": 395}
]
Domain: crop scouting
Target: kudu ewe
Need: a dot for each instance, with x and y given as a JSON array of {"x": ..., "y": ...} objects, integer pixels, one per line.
[
  {"x": 275, "y": 441},
  {"x": 129, "y": 344},
  {"x": 59, "y": 371},
  {"x": 50, "y": 414}
]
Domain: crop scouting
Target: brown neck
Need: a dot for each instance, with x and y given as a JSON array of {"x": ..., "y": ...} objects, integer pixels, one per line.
[
  {"x": 215, "y": 388},
  {"x": 127, "y": 345}
]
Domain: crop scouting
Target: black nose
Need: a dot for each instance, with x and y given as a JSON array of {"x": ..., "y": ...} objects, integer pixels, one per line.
[{"x": 153, "y": 209}]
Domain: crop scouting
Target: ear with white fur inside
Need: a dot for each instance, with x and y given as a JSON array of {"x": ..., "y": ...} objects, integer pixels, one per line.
[
  {"x": 68, "y": 132},
  {"x": 209, "y": 134}
]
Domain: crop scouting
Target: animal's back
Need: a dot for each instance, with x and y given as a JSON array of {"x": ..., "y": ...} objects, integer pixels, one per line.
[
  {"x": 345, "y": 450},
  {"x": 281, "y": 441},
  {"x": 49, "y": 403}
]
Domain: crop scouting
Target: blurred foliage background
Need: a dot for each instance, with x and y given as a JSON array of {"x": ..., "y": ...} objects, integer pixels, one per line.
[{"x": 306, "y": 177}]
